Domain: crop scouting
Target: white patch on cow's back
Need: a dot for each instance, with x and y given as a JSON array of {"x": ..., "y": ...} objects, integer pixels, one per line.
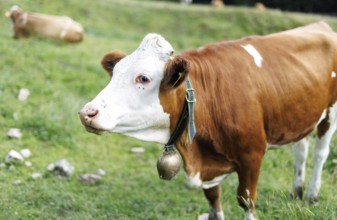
[
  {"x": 333, "y": 74},
  {"x": 251, "y": 50},
  {"x": 195, "y": 181}
]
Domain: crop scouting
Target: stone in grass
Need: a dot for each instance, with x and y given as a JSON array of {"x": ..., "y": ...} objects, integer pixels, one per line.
[
  {"x": 28, "y": 164},
  {"x": 13, "y": 157},
  {"x": 14, "y": 133},
  {"x": 17, "y": 182},
  {"x": 36, "y": 176},
  {"x": 11, "y": 167},
  {"x": 61, "y": 168},
  {"x": 137, "y": 150},
  {"x": 101, "y": 172},
  {"x": 23, "y": 94},
  {"x": 90, "y": 178},
  {"x": 25, "y": 153},
  {"x": 2, "y": 165}
]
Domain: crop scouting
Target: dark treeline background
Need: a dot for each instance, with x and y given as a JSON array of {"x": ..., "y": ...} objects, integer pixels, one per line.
[{"x": 313, "y": 6}]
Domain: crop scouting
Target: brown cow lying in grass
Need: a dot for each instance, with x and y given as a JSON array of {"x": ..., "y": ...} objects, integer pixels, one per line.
[{"x": 56, "y": 27}]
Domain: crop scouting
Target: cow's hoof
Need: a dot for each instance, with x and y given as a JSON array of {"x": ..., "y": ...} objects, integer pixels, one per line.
[
  {"x": 204, "y": 216},
  {"x": 312, "y": 201},
  {"x": 297, "y": 193}
]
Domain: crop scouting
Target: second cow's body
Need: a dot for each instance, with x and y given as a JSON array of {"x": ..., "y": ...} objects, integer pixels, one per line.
[{"x": 57, "y": 27}]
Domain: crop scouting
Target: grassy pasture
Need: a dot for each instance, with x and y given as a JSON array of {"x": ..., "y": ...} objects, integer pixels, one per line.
[{"x": 62, "y": 78}]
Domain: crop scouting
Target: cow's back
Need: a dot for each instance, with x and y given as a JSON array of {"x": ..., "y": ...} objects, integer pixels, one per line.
[
  {"x": 54, "y": 26},
  {"x": 288, "y": 92}
]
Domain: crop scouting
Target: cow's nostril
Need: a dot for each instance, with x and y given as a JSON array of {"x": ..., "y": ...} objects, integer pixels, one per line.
[
  {"x": 88, "y": 113},
  {"x": 92, "y": 113}
]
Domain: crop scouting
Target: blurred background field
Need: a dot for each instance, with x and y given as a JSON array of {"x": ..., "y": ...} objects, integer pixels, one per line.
[{"x": 63, "y": 77}]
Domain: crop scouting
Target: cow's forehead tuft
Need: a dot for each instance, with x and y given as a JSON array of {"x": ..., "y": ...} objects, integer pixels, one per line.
[{"x": 156, "y": 45}]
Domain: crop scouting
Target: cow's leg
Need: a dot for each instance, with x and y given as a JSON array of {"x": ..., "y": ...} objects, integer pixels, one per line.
[
  {"x": 300, "y": 154},
  {"x": 325, "y": 130},
  {"x": 248, "y": 174},
  {"x": 213, "y": 196}
]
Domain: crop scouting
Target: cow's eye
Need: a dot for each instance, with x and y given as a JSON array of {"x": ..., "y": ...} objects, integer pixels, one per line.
[{"x": 143, "y": 79}]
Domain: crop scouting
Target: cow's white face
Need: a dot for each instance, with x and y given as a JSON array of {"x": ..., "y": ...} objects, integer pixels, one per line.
[{"x": 130, "y": 103}]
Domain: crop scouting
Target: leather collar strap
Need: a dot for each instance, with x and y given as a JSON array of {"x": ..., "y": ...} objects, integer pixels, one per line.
[{"x": 186, "y": 118}]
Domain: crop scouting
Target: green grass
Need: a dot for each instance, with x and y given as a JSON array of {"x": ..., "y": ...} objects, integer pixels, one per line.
[{"x": 62, "y": 78}]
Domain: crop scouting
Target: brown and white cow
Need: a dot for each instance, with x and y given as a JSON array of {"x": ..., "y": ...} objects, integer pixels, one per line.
[
  {"x": 251, "y": 94},
  {"x": 57, "y": 27}
]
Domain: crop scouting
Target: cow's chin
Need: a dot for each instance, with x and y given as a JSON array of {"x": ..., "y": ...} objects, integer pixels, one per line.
[{"x": 95, "y": 130}]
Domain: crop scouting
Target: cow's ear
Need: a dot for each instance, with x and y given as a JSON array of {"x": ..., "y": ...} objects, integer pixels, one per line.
[
  {"x": 111, "y": 59},
  {"x": 175, "y": 73}
]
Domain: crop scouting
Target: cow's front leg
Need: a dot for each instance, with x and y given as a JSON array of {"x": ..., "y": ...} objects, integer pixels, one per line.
[
  {"x": 300, "y": 154},
  {"x": 248, "y": 173},
  {"x": 213, "y": 196}
]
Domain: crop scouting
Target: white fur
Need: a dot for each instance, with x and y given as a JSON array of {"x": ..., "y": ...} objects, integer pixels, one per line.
[
  {"x": 67, "y": 25},
  {"x": 255, "y": 54},
  {"x": 14, "y": 8},
  {"x": 24, "y": 19},
  {"x": 205, "y": 216},
  {"x": 220, "y": 215},
  {"x": 321, "y": 153},
  {"x": 300, "y": 154},
  {"x": 195, "y": 181},
  {"x": 249, "y": 216},
  {"x": 333, "y": 74},
  {"x": 132, "y": 108},
  {"x": 214, "y": 182},
  {"x": 321, "y": 118}
]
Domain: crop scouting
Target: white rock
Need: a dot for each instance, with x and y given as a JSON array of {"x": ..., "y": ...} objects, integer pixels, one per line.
[
  {"x": 11, "y": 167},
  {"x": 25, "y": 153},
  {"x": 28, "y": 163},
  {"x": 61, "y": 168},
  {"x": 90, "y": 179},
  {"x": 36, "y": 176},
  {"x": 17, "y": 182},
  {"x": 51, "y": 167},
  {"x": 14, "y": 133},
  {"x": 13, "y": 157},
  {"x": 101, "y": 172},
  {"x": 137, "y": 150},
  {"x": 15, "y": 116},
  {"x": 23, "y": 94}
]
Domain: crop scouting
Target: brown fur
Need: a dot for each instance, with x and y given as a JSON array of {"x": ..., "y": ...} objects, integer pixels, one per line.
[
  {"x": 57, "y": 27},
  {"x": 110, "y": 59},
  {"x": 240, "y": 107}
]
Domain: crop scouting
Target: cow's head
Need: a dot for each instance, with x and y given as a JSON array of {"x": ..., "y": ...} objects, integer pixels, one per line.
[
  {"x": 130, "y": 103},
  {"x": 14, "y": 13}
]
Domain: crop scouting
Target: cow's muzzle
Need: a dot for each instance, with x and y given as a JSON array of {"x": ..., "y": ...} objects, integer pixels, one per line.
[{"x": 87, "y": 115}]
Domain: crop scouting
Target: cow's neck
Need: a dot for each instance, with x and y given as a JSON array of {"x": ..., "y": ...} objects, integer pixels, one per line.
[
  {"x": 173, "y": 102},
  {"x": 186, "y": 118}
]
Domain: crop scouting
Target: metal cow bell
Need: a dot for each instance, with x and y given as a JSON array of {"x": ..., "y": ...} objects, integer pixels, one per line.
[{"x": 168, "y": 165}]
